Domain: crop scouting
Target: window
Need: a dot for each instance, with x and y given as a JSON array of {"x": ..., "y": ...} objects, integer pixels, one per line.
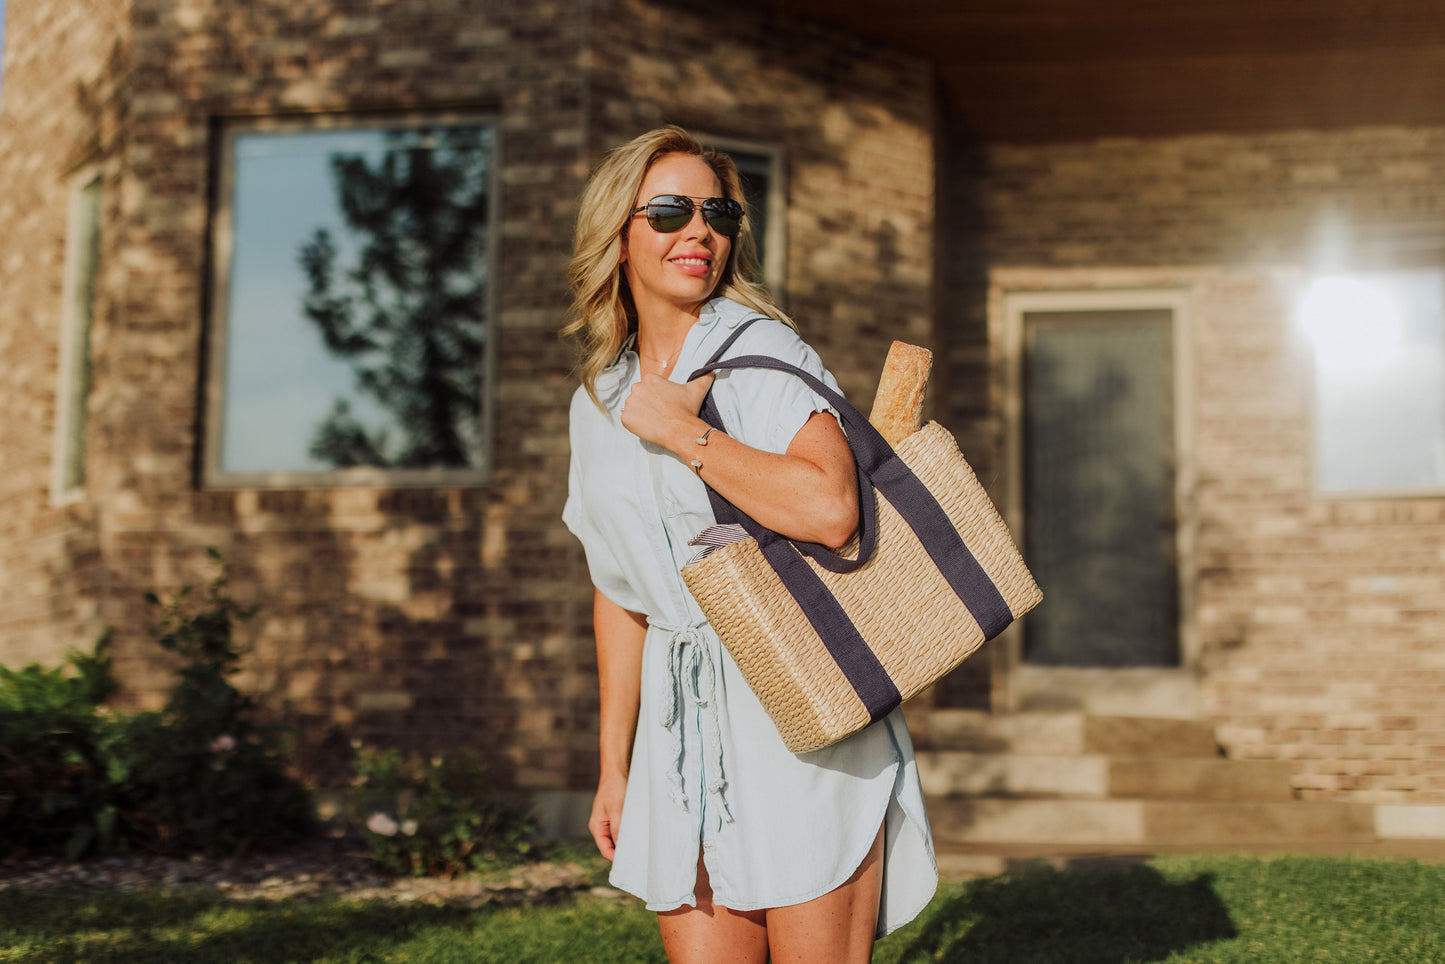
[
  {"x": 1378, "y": 342},
  {"x": 353, "y": 299},
  {"x": 761, "y": 170},
  {"x": 82, "y": 260}
]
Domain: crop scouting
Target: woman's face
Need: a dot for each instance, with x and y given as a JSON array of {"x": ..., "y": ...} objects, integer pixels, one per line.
[{"x": 680, "y": 269}]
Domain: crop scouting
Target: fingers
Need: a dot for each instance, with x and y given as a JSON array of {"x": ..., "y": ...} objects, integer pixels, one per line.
[
  {"x": 698, "y": 388},
  {"x": 602, "y": 836},
  {"x": 603, "y": 826},
  {"x": 655, "y": 406}
]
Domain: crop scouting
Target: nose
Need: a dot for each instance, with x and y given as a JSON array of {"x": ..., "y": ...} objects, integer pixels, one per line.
[{"x": 697, "y": 226}]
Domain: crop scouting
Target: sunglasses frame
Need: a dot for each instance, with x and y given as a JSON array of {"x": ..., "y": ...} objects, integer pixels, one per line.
[{"x": 730, "y": 210}]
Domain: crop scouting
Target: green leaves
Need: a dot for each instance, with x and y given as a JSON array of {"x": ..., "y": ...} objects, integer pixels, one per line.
[
  {"x": 56, "y": 794},
  {"x": 201, "y": 775}
]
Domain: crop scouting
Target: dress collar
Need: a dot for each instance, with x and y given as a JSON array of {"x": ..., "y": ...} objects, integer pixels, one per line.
[{"x": 719, "y": 313}]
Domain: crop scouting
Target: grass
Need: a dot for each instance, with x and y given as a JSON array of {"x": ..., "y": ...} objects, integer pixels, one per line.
[
  {"x": 1188, "y": 910},
  {"x": 1201, "y": 910}
]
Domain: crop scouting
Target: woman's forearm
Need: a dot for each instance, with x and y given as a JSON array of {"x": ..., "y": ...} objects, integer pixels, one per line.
[
  {"x": 620, "y": 634},
  {"x": 809, "y": 493}
]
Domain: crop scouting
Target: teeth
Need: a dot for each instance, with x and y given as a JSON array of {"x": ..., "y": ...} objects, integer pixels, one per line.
[{"x": 690, "y": 261}]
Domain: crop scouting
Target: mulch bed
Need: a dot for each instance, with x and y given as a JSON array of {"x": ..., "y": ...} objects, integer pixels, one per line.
[{"x": 320, "y": 868}]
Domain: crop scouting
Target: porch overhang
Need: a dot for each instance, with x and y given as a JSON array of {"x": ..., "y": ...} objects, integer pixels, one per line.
[{"x": 1033, "y": 70}]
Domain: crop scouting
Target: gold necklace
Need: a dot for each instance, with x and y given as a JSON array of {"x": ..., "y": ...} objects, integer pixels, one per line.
[{"x": 666, "y": 364}]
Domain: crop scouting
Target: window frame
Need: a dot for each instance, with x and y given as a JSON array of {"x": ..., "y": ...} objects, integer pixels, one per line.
[
  {"x": 74, "y": 344},
  {"x": 775, "y": 240},
  {"x": 217, "y": 328}
]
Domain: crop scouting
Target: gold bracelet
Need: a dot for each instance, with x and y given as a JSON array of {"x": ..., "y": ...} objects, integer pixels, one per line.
[
  {"x": 696, "y": 466},
  {"x": 702, "y": 439}
]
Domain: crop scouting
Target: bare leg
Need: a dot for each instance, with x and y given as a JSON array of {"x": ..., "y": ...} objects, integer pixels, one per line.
[
  {"x": 836, "y": 928},
  {"x": 712, "y": 934}
]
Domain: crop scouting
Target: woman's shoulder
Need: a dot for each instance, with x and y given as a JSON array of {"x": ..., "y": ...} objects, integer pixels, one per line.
[{"x": 764, "y": 335}]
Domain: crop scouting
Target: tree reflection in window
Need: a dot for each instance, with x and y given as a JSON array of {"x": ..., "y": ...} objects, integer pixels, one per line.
[
  {"x": 407, "y": 312},
  {"x": 353, "y": 304}
]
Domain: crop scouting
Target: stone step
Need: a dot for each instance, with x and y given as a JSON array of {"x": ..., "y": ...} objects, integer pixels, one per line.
[
  {"x": 1011, "y": 775},
  {"x": 1183, "y": 778},
  {"x": 1146, "y": 823},
  {"x": 960, "y": 862},
  {"x": 1201, "y": 780},
  {"x": 1061, "y": 734}
]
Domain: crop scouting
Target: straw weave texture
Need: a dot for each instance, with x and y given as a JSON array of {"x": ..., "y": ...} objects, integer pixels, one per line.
[{"x": 901, "y": 604}]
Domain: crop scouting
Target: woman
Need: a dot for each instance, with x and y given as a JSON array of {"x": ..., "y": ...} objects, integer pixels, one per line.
[{"x": 743, "y": 848}]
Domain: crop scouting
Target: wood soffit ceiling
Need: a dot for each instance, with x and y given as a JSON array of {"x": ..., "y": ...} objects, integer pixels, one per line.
[{"x": 1031, "y": 70}]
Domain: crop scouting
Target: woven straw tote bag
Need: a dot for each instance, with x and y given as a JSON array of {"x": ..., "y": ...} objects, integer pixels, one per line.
[{"x": 831, "y": 642}]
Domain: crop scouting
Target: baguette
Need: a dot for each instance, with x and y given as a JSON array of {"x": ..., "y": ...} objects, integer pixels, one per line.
[{"x": 898, "y": 406}]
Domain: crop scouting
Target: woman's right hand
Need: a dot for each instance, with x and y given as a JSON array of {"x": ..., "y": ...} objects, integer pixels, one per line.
[
  {"x": 620, "y": 637},
  {"x": 607, "y": 814}
]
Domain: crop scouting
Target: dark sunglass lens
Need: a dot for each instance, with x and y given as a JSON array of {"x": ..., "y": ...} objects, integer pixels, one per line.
[
  {"x": 723, "y": 215},
  {"x": 669, "y": 213}
]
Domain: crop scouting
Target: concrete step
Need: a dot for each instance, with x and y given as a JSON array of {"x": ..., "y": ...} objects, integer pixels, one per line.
[
  {"x": 958, "y": 862},
  {"x": 1061, "y": 734},
  {"x": 1201, "y": 780},
  {"x": 1146, "y": 824},
  {"x": 1012, "y": 775},
  {"x": 1095, "y": 776}
]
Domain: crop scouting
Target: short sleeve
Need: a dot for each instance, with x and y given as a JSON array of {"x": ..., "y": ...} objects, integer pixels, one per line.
[
  {"x": 765, "y": 408},
  {"x": 602, "y": 564}
]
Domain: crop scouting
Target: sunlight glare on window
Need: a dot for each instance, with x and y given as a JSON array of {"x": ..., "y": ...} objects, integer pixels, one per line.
[
  {"x": 1379, "y": 380},
  {"x": 1352, "y": 322}
]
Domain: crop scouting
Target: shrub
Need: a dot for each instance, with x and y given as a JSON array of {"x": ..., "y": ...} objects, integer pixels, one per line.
[
  {"x": 202, "y": 774},
  {"x": 435, "y": 817},
  {"x": 56, "y": 788}
]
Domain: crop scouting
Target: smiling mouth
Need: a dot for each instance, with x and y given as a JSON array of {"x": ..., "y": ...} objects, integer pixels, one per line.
[{"x": 701, "y": 261}]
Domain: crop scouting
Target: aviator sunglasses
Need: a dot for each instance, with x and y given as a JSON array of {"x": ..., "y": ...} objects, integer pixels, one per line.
[{"x": 673, "y": 212}]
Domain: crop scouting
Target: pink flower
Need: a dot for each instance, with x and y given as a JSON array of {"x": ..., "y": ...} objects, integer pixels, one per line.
[
  {"x": 223, "y": 743},
  {"x": 380, "y": 823}
]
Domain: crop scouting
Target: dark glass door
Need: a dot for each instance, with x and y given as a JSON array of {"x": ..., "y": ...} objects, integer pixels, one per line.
[{"x": 1098, "y": 483}]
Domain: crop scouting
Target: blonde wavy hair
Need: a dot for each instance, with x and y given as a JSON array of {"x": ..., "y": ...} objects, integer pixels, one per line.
[{"x": 602, "y": 312}]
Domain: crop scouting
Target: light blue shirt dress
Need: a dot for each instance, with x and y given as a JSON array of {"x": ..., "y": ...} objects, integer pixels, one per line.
[{"x": 708, "y": 767}]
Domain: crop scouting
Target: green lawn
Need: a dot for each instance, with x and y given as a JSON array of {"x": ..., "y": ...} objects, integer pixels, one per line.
[{"x": 1179, "y": 909}]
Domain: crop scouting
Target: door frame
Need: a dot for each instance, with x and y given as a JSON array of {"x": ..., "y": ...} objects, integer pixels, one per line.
[{"x": 1137, "y": 691}]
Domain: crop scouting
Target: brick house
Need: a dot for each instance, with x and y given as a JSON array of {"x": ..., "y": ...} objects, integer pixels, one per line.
[{"x": 1244, "y": 639}]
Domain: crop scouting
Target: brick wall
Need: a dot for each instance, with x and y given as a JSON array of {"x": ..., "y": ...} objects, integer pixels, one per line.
[
  {"x": 435, "y": 617},
  {"x": 58, "y": 113},
  {"x": 1322, "y": 622}
]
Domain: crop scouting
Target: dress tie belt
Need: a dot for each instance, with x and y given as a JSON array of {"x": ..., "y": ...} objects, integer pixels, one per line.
[{"x": 692, "y": 673}]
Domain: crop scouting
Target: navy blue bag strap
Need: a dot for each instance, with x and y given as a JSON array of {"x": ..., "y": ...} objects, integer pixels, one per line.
[{"x": 737, "y": 333}]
